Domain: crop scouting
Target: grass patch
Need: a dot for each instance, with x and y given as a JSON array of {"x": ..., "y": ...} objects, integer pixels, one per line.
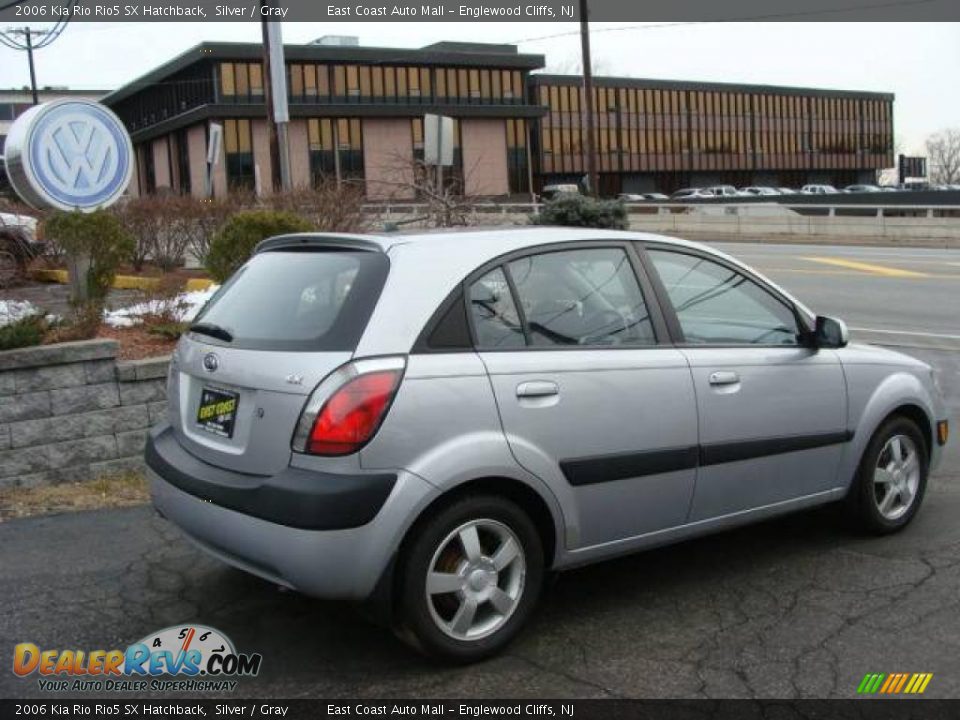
[{"x": 109, "y": 491}]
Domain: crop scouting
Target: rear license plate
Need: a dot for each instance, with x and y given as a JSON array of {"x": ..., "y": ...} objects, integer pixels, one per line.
[{"x": 218, "y": 411}]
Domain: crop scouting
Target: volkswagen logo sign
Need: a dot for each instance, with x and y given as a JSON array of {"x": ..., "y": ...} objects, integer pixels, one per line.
[
  {"x": 69, "y": 155},
  {"x": 211, "y": 362}
]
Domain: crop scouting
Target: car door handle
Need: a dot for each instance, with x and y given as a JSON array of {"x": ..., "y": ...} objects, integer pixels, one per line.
[
  {"x": 537, "y": 388},
  {"x": 724, "y": 377}
]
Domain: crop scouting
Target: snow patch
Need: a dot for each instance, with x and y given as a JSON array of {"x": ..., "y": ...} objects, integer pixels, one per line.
[{"x": 13, "y": 310}]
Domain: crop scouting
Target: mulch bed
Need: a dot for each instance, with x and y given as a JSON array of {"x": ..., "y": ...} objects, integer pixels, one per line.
[{"x": 136, "y": 343}]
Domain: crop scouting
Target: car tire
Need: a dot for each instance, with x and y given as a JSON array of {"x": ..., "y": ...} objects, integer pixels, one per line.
[
  {"x": 891, "y": 479},
  {"x": 469, "y": 579}
]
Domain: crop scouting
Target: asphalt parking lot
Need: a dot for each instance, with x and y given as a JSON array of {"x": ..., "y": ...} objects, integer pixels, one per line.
[{"x": 796, "y": 607}]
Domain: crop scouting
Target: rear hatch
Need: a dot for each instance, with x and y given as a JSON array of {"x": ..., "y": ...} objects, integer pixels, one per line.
[{"x": 282, "y": 323}]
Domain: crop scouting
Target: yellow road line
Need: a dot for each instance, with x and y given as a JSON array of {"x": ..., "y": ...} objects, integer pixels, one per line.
[{"x": 870, "y": 268}]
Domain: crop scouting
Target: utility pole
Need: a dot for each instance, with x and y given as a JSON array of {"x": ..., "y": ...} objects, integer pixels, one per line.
[
  {"x": 588, "y": 100},
  {"x": 275, "y": 96},
  {"x": 28, "y": 36}
]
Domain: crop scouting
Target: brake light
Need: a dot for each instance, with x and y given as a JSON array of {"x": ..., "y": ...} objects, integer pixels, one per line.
[{"x": 351, "y": 416}]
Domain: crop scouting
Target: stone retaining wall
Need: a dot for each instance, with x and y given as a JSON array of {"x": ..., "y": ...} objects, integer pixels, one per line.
[{"x": 72, "y": 411}]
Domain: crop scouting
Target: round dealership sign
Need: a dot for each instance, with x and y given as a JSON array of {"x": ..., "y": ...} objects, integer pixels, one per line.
[{"x": 69, "y": 155}]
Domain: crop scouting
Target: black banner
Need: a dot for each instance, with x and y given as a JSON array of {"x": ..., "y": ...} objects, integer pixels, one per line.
[
  {"x": 865, "y": 709},
  {"x": 474, "y": 10}
]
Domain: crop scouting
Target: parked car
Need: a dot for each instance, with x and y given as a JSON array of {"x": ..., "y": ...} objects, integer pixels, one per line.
[
  {"x": 759, "y": 190},
  {"x": 691, "y": 193},
  {"x": 655, "y": 196},
  {"x": 433, "y": 422},
  {"x": 631, "y": 197},
  {"x": 819, "y": 190},
  {"x": 786, "y": 191},
  {"x": 552, "y": 192},
  {"x": 888, "y": 188},
  {"x": 728, "y": 191}
]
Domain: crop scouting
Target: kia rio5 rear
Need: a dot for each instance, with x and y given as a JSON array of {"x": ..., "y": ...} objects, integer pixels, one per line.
[{"x": 431, "y": 423}]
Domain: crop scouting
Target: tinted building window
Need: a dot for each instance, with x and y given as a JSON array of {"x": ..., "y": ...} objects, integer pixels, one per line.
[{"x": 238, "y": 147}]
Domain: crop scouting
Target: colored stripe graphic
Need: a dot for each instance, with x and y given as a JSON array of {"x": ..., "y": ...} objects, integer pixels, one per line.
[{"x": 894, "y": 683}]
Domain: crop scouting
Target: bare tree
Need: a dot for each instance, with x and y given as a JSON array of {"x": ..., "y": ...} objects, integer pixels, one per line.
[
  {"x": 943, "y": 156},
  {"x": 18, "y": 232},
  {"x": 444, "y": 205},
  {"x": 573, "y": 64}
]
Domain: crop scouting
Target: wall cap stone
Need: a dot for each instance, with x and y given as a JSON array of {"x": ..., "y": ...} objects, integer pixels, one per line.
[
  {"x": 146, "y": 369},
  {"x": 58, "y": 354}
]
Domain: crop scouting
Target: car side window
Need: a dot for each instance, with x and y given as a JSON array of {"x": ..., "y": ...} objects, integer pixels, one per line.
[
  {"x": 494, "y": 313},
  {"x": 582, "y": 297},
  {"x": 718, "y": 305}
]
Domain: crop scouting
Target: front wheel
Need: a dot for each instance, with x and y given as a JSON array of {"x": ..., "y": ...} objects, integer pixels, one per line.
[
  {"x": 470, "y": 578},
  {"x": 891, "y": 479}
]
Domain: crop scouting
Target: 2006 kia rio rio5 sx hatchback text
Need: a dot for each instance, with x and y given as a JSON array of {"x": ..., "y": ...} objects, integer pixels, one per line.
[{"x": 433, "y": 422}]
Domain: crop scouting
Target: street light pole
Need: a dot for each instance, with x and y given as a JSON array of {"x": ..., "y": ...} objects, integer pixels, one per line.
[
  {"x": 33, "y": 72},
  {"x": 588, "y": 100},
  {"x": 275, "y": 96}
]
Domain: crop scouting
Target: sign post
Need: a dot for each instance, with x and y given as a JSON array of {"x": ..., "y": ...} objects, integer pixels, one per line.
[
  {"x": 438, "y": 144},
  {"x": 911, "y": 167}
]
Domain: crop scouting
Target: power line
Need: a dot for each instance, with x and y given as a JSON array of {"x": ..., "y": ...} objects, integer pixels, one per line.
[
  {"x": 10, "y": 38},
  {"x": 766, "y": 16}
]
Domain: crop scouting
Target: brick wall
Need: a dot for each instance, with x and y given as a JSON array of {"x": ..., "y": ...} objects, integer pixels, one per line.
[{"x": 72, "y": 411}]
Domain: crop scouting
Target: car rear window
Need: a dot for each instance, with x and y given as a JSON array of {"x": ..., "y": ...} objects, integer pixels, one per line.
[{"x": 302, "y": 300}]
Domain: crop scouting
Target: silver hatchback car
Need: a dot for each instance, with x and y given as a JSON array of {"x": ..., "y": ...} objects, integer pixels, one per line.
[{"x": 433, "y": 422}]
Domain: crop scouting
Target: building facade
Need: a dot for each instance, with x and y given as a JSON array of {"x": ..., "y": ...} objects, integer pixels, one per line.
[
  {"x": 658, "y": 136},
  {"x": 356, "y": 115}
]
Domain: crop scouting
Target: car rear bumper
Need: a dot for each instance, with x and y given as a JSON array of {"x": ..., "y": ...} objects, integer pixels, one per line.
[{"x": 344, "y": 562}]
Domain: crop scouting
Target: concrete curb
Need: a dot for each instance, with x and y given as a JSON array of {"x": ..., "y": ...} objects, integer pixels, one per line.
[{"x": 121, "y": 282}]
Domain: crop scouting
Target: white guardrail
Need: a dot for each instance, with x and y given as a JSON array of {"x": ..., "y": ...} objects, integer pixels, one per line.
[
  {"x": 936, "y": 224},
  {"x": 731, "y": 208}
]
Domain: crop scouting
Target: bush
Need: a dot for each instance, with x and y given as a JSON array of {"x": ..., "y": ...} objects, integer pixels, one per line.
[
  {"x": 580, "y": 211},
  {"x": 234, "y": 243},
  {"x": 81, "y": 323},
  {"x": 162, "y": 306},
  {"x": 98, "y": 235},
  {"x": 25, "y": 332}
]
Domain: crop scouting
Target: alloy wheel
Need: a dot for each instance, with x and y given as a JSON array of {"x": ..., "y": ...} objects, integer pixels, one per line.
[
  {"x": 475, "y": 579},
  {"x": 896, "y": 477}
]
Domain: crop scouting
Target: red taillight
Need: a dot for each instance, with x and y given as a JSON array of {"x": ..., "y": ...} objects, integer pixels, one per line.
[{"x": 353, "y": 413}]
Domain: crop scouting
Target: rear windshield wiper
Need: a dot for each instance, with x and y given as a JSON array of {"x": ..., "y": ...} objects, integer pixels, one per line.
[{"x": 214, "y": 331}]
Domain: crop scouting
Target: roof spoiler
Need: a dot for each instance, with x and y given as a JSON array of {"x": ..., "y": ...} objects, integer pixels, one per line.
[{"x": 307, "y": 241}]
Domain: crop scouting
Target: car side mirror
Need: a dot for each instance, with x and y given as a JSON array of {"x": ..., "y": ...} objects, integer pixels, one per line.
[{"x": 830, "y": 333}]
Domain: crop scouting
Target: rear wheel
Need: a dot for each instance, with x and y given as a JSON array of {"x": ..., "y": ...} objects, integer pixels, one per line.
[
  {"x": 470, "y": 578},
  {"x": 891, "y": 479}
]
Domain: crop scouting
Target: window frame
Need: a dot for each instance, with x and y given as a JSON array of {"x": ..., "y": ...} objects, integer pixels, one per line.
[
  {"x": 677, "y": 337},
  {"x": 461, "y": 293}
]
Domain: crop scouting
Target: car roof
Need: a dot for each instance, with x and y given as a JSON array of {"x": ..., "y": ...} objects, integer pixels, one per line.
[{"x": 472, "y": 241}]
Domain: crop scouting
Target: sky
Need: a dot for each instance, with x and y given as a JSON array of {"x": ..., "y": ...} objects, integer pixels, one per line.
[{"x": 919, "y": 62}]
